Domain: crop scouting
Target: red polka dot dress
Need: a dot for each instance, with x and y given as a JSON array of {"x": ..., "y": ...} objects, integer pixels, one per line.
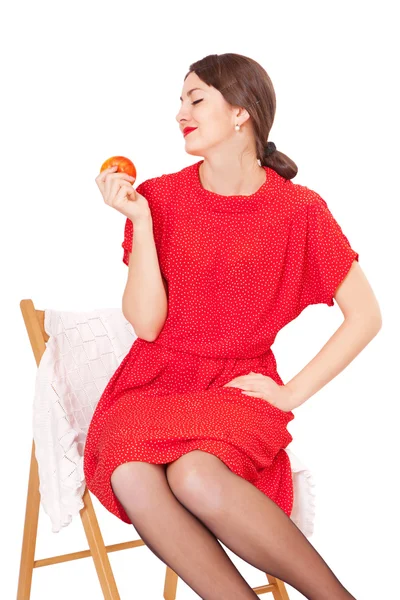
[{"x": 238, "y": 269}]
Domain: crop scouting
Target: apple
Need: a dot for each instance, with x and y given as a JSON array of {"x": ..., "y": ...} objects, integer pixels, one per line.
[{"x": 124, "y": 165}]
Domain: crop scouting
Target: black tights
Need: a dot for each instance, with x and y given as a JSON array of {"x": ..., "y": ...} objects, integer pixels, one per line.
[{"x": 181, "y": 528}]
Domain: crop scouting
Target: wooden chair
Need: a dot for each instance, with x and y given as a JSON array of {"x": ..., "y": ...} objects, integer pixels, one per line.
[{"x": 34, "y": 322}]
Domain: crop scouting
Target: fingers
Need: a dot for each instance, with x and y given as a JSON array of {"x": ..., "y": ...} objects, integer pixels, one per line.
[
  {"x": 114, "y": 183},
  {"x": 113, "y": 180},
  {"x": 125, "y": 191},
  {"x": 101, "y": 177},
  {"x": 109, "y": 182}
]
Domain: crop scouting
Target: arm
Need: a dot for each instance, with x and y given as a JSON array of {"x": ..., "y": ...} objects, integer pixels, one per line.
[
  {"x": 144, "y": 302},
  {"x": 362, "y": 321}
]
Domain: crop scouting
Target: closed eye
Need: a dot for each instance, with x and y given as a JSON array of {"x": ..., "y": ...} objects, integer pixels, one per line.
[{"x": 197, "y": 101}]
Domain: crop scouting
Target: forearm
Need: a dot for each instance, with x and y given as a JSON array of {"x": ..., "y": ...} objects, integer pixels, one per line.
[
  {"x": 341, "y": 348},
  {"x": 144, "y": 302}
]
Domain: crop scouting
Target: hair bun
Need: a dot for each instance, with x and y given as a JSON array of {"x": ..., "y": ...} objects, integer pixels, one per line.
[{"x": 269, "y": 148}]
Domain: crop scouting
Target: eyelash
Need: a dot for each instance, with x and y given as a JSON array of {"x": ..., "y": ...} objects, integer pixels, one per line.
[{"x": 197, "y": 101}]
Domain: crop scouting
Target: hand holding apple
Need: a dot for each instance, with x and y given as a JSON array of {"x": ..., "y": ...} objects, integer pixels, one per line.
[{"x": 115, "y": 180}]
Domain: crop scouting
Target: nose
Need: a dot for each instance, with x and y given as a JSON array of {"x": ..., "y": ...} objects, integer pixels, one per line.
[{"x": 183, "y": 114}]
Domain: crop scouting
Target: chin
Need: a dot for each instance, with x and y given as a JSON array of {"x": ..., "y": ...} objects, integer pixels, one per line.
[{"x": 194, "y": 151}]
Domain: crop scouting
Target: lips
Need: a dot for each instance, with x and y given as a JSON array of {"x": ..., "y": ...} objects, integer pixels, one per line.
[{"x": 188, "y": 130}]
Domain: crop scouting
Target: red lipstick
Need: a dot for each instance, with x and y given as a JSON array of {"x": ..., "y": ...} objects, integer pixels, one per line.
[{"x": 188, "y": 130}]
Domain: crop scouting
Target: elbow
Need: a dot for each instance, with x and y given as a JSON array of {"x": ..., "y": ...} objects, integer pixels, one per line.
[
  {"x": 371, "y": 322},
  {"x": 147, "y": 333},
  {"x": 374, "y": 320},
  {"x": 143, "y": 334},
  {"x": 378, "y": 323},
  {"x": 150, "y": 337},
  {"x": 157, "y": 330}
]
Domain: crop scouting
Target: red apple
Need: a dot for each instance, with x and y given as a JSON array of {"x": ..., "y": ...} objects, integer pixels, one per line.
[{"x": 124, "y": 165}]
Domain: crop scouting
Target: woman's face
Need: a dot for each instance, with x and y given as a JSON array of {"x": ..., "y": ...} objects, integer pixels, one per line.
[{"x": 214, "y": 118}]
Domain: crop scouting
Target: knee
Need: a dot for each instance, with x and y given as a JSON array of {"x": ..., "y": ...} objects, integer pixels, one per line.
[
  {"x": 121, "y": 474},
  {"x": 135, "y": 482},
  {"x": 124, "y": 479},
  {"x": 197, "y": 480}
]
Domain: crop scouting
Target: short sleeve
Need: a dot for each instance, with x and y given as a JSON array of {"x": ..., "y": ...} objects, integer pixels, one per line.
[
  {"x": 328, "y": 254},
  {"x": 128, "y": 230}
]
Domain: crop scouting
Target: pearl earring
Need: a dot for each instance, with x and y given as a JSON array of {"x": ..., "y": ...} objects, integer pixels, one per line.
[{"x": 237, "y": 127}]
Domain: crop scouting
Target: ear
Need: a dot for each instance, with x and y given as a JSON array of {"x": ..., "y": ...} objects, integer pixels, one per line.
[{"x": 241, "y": 116}]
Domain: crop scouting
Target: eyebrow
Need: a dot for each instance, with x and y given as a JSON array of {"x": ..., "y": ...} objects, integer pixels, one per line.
[{"x": 190, "y": 91}]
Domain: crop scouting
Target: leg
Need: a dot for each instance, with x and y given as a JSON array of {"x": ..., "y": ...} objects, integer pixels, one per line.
[
  {"x": 251, "y": 525},
  {"x": 176, "y": 536}
]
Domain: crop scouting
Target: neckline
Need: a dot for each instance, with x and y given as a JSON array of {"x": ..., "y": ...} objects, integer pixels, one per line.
[{"x": 236, "y": 203}]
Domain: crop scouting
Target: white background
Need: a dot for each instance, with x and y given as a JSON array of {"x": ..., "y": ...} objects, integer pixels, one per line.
[{"x": 84, "y": 81}]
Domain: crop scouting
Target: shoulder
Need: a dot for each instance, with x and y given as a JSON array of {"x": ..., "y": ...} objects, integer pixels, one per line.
[
  {"x": 299, "y": 195},
  {"x": 299, "y": 199},
  {"x": 315, "y": 217},
  {"x": 159, "y": 190},
  {"x": 152, "y": 188}
]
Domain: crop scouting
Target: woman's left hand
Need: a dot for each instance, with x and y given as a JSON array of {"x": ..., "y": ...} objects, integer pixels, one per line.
[{"x": 262, "y": 386}]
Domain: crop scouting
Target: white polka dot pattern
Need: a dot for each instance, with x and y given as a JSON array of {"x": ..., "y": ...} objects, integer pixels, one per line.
[{"x": 239, "y": 268}]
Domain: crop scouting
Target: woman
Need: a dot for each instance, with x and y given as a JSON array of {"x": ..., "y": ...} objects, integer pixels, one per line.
[{"x": 187, "y": 441}]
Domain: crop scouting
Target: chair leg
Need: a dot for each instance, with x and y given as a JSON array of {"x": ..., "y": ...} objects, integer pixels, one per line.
[
  {"x": 171, "y": 583},
  {"x": 279, "y": 593},
  {"x": 102, "y": 564},
  {"x": 98, "y": 549},
  {"x": 30, "y": 531}
]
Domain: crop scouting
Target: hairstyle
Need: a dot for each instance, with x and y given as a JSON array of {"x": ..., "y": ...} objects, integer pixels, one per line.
[{"x": 244, "y": 82}]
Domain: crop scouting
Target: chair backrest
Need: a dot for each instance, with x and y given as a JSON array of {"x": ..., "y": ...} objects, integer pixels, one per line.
[{"x": 34, "y": 323}]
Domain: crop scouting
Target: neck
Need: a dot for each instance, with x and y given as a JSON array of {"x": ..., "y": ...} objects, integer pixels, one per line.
[{"x": 231, "y": 177}]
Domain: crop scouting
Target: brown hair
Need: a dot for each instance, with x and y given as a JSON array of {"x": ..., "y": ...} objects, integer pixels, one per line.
[{"x": 244, "y": 82}]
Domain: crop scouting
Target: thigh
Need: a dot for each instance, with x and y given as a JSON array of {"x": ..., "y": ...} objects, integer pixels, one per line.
[{"x": 137, "y": 482}]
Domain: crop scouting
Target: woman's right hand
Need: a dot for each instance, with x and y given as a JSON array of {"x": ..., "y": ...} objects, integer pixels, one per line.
[{"x": 117, "y": 191}]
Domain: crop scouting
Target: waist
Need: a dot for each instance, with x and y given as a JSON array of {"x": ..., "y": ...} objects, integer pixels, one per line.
[
  {"x": 212, "y": 365},
  {"x": 190, "y": 349}
]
